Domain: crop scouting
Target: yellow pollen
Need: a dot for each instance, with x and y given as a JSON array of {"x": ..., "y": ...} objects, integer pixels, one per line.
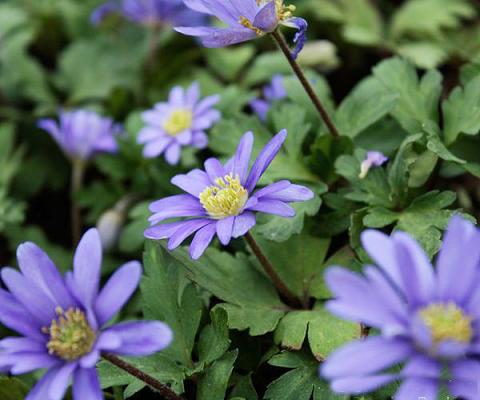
[
  {"x": 447, "y": 322},
  {"x": 283, "y": 13},
  {"x": 226, "y": 199},
  {"x": 71, "y": 337},
  {"x": 178, "y": 121},
  {"x": 248, "y": 24}
]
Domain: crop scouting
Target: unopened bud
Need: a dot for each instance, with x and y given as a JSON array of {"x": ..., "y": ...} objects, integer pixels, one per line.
[{"x": 320, "y": 53}]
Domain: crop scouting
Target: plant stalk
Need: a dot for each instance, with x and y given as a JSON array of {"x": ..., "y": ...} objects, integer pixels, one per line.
[
  {"x": 162, "y": 389},
  {"x": 270, "y": 271},
  {"x": 76, "y": 183},
  {"x": 282, "y": 44}
]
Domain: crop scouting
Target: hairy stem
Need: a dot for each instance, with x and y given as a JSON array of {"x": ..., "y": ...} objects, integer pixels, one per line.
[
  {"x": 78, "y": 171},
  {"x": 282, "y": 44},
  {"x": 162, "y": 389},
  {"x": 268, "y": 268}
]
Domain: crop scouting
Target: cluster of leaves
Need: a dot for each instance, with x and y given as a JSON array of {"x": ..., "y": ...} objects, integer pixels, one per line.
[
  {"x": 235, "y": 338},
  {"x": 427, "y": 32}
]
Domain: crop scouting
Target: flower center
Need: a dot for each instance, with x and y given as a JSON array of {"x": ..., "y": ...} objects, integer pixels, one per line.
[
  {"x": 447, "y": 322},
  {"x": 225, "y": 199},
  {"x": 283, "y": 13},
  {"x": 71, "y": 337},
  {"x": 179, "y": 121}
]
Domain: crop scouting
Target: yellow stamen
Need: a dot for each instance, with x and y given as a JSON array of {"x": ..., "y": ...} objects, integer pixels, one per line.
[
  {"x": 447, "y": 322},
  {"x": 178, "y": 121},
  {"x": 226, "y": 199},
  {"x": 283, "y": 13},
  {"x": 248, "y": 24},
  {"x": 71, "y": 337}
]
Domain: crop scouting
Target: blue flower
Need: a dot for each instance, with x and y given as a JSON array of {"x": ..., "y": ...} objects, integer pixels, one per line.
[
  {"x": 181, "y": 121},
  {"x": 373, "y": 159},
  {"x": 64, "y": 321},
  {"x": 246, "y": 20},
  {"x": 428, "y": 318},
  {"x": 272, "y": 92},
  {"x": 223, "y": 199},
  {"x": 83, "y": 133}
]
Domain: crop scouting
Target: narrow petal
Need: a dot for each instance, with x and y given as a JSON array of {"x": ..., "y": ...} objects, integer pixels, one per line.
[
  {"x": 192, "y": 183},
  {"x": 418, "y": 388},
  {"x": 201, "y": 240},
  {"x": 264, "y": 159},
  {"x": 35, "y": 301},
  {"x": 467, "y": 390},
  {"x": 293, "y": 193},
  {"x": 22, "y": 344},
  {"x": 243, "y": 223},
  {"x": 214, "y": 169},
  {"x": 271, "y": 189},
  {"x": 142, "y": 338},
  {"x": 266, "y": 19},
  {"x": 224, "y": 230},
  {"x": 172, "y": 153},
  {"x": 87, "y": 263},
  {"x": 156, "y": 147},
  {"x": 117, "y": 291},
  {"x": 163, "y": 231},
  {"x": 23, "y": 363},
  {"x": 177, "y": 211},
  {"x": 365, "y": 357},
  {"x": 173, "y": 201},
  {"x": 206, "y": 104},
  {"x": 187, "y": 229},
  {"x": 60, "y": 382},
  {"x": 41, "y": 390},
  {"x": 218, "y": 37},
  {"x": 38, "y": 268},
  {"x": 86, "y": 385},
  {"x": 274, "y": 207},
  {"x": 421, "y": 366},
  {"x": 242, "y": 157},
  {"x": 361, "y": 384}
]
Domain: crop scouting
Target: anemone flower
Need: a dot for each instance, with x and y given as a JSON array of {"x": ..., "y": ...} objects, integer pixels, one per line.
[
  {"x": 63, "y": 321},
  {"x": 223, "y": 199},
  {"x": 82, "y": 133},
  {"x": 373, "y": 159},
  {"x": 428, "y": 319},
  {"x": 271, "y": 93},
  {"x": 245, "y": 20}
]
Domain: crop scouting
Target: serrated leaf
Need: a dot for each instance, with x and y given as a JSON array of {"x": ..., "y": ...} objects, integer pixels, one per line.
[
  {"x": 363, "y": 23},
  {"x": 228, "y": 62},
  {"x": 366, "y": 104},
  {"x": 251, "y": 300},
  {"x": 214, "y": 341},
  {"x": 213, "y": 384}
]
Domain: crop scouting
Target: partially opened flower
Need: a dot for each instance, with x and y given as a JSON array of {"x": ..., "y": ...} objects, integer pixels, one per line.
[
  {"x": 245, "y": 20},
  {"x": 428, "y": 319},
  {"x": 82, "y": 133},
  {"x": 223, "y": 199},
  {"x": 64, "y": 320},
  {"x": 271, "y": 93},
  {"x": 149, "y": 12},
  {"x": 181, "y": 121},
  {"x": 373, "y": 159}
]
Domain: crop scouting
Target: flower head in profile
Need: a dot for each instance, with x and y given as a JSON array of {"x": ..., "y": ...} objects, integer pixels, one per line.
[
  {"x": 63, "y": 321},
  {"x": 82, "y": 133},
  {"x": 373, "y": 159},
  {"x": 223, "y": 199},
  {"x": 428, "y": 318},
  {"x": 181, "y": 121},
  {"x": 271, "y": 93},
  {"x": 245, "y": 20},
  {"x": 149, "y": 12}
]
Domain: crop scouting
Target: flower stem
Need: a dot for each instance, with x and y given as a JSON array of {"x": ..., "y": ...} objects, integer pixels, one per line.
[
  {"x": 164, "y": 390},
  {"x": 78, "y": 171},
  {"x": 268, "y": 268},
  {"x": 282, "y": 44}
]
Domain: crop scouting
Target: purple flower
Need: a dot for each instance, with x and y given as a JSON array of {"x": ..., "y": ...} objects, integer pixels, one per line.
[
  {"x": 245, "y": 19},
  {"x": 82, "y": 133},
  {"x": 149, "y": 12},
  {"x": 181, "y": 121},
  {"x": 222, "y": 199},
  {"x": 272, "y": 92},
  {"x": 428, "y": 319},
  {"x": 373, "y": 159},
  {"x": 63, "y": 320}
]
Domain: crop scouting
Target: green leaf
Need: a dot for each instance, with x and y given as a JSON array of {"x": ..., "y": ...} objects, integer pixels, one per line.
[
  {"x": 244, "y": 389},
  {"x": 461, "y": 111},
  {"x": 281, "y": 229},
  {"x": 417, "y": 98},
  {"x": 326, "y": 332},
  {"x": 251, "y": 300},
  {"x": 430, "y": 17},
  {"x": 168, "y": 297},
  {"x": 229, "y": 62},
  {"x": 12, "y": 389},
  {"x": 363, "y": 23},
  {"x": 214, "y": 341},
  {"x": 213, "y": 384},
  {"x": 366, "y": 104},
  {"x": 424, "y": 54},
  {"x": 297, "y": 260},
  {"x": 265, "y": 66}
]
